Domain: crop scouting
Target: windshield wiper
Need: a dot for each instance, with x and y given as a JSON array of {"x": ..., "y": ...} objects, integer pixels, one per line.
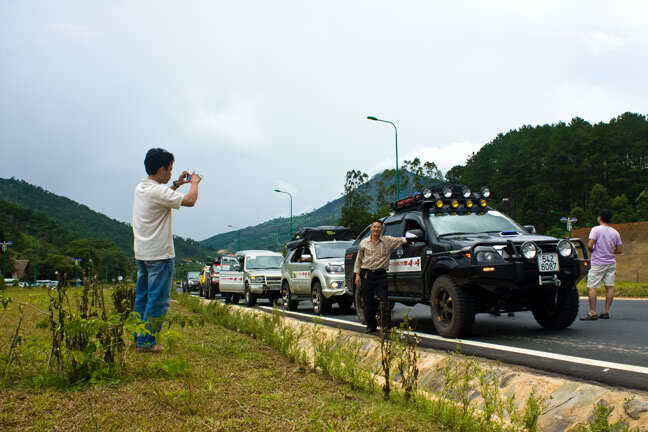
[{"x": 455, "y": 233}]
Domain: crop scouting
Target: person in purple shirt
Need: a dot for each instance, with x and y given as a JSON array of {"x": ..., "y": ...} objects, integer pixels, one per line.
[{"x": 604, "y": 242}]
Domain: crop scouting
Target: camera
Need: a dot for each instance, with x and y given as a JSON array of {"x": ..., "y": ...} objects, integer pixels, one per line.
[{"x": 188, "y": 178}]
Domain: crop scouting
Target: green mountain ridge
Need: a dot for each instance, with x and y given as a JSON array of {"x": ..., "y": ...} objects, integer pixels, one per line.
[{"x": 79, "y": 220}]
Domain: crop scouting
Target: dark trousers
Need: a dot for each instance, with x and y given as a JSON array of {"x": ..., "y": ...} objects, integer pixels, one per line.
[{"x": 374, "y": 291}]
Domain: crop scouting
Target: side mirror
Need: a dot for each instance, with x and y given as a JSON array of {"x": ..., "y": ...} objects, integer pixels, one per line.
[
  {"x": 530, "y": 229},
  {"x": 306, "y": 258},
  {"x": 236, "y": 267},
  {"x": 415, "y": 234}
]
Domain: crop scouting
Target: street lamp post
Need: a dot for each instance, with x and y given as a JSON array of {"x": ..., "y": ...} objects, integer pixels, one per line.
[
  {"x": 291, "y": 221},
  {"x": 238, "y": 240},
  {"x": 396, "y": 136},
  {"x": 5, "y": 245},
  {"x": 36, "y": 230}
]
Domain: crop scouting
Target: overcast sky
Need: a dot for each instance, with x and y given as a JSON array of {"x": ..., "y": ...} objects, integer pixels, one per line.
[{"x": 259, "y": 95}]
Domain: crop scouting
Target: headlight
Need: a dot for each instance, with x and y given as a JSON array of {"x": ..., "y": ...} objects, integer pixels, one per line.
[
  {"x": 334, "y": 268},
  {"x": 465, "y": 191},
  {"x": 257, "y": 279},
  {"x": 487, "y": 255},
  {"x": 485, "y": 192},
  {"x": 529, "y": 250},
  {"x": 565, "y": 248},
  {"x": 446, "y": 191}
]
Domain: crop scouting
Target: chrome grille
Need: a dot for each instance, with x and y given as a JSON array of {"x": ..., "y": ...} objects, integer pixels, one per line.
[{"x": 273, "y": 280}]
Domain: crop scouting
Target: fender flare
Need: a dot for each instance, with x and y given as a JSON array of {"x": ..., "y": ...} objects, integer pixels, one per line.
[{"x": 440, "y": 267}]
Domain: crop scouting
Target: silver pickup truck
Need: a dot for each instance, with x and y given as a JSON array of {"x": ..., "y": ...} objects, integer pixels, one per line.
[
  {"x": 251, "y": 274},
  {"x": 314, "y": 270}
]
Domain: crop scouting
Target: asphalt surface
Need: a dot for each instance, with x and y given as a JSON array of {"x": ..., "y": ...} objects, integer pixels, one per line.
[{"x": 613, "y": 352}]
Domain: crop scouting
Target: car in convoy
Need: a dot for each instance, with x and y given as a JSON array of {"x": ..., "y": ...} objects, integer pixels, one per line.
[
  {"x": 204, "y": 281},
  {"x": 465, "y": 257},
  {"x": 314, "y": 269},
  {"x": 192, "y": 281},
  {"x": 212, "y": 286},
  {"x": 251, "y": 274}
]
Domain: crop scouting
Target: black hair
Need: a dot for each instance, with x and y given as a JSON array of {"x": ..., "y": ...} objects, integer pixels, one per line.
[
  {"x": 157, "y": 158},
  {"x": 606, "y": 215},
  {"x": 377, "y": 220}
]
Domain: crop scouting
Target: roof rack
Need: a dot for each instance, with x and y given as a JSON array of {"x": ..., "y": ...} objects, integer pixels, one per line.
[{"x": 320, "y": 233}]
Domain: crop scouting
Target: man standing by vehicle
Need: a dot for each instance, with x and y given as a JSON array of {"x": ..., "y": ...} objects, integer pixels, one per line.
[
  {"x": 604, "y": 242},
  {"x": 370, "y": 269},
  {"x": 153, "y": 245}
]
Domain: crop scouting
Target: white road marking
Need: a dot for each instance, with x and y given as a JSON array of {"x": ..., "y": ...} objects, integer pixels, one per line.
[{"x": 535, "y": 353}]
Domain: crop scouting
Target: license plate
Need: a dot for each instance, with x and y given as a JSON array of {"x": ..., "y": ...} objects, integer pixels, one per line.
[{"x": 548, "y": 262}]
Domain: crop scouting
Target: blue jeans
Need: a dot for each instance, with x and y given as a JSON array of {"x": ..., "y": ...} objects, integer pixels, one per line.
[{"x": 153, "y": 296}]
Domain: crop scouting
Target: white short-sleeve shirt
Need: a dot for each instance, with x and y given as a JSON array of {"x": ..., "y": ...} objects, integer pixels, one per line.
[{"x": 152, "y": 228}]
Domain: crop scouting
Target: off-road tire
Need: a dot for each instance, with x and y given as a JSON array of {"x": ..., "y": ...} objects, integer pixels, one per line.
[
  {"x": 286, "y": 295},
  {"x": 250, "y": 297},
  {"x": 557, "y": 313},
  {"x": 321, "y": 304},
  {"x": 235, "y": 298},
  {"x": 452, "y": 308}
]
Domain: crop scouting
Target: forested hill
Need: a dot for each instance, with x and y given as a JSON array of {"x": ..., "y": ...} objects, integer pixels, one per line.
[
  {"x": 573, "y": 169},
  {"x": 79, "y": 219}
]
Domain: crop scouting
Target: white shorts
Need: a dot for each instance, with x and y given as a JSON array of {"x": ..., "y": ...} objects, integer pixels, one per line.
[{"x": 601, "y": 273}]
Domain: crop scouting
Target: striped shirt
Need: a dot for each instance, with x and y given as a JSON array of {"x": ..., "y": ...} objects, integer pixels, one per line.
[{"x": 374, "y": 257}]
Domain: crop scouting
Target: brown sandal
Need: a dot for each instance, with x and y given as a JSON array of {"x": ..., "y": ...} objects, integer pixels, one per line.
[{"x": 589, "y": 317}]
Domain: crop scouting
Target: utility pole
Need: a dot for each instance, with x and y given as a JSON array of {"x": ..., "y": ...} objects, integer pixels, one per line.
[{"x": 36, "y": 231}]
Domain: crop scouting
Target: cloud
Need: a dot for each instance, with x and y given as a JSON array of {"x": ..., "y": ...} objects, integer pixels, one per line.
[
  {"x": 445, "y": 157},
  {"x": 285, "y": 186},
  {"x": 593, "y": 103},
  {"x": 236, "y": 125},
  {"x": 600, "y": 42}
]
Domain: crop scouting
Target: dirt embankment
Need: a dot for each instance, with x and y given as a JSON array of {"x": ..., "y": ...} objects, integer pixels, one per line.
[{"x": 632, "y": 265}]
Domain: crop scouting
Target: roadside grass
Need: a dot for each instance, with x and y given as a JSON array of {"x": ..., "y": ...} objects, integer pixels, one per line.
[
  {"x": 621, "y": 289},
  {"x": 226, "y": 368},
  {"x": 211, "y": 379}
]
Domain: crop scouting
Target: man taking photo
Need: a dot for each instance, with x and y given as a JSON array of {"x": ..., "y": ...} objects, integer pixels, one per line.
[{"x": 153, "y": 245}]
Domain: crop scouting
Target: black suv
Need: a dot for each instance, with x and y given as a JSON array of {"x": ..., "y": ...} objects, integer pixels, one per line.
[{"x": 465, "y": 257}]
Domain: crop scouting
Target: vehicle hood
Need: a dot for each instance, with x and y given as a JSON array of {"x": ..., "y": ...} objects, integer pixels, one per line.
[
  {"x": 265, "y": 272},
  {"x": 466, "y": 240},
  {"x": 332, "y": 261}
]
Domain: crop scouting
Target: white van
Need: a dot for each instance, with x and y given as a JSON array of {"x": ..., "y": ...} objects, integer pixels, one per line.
[{"x": 251, "y": 274}]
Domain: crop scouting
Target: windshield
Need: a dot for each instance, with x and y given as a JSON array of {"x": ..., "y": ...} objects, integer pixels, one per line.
[
  {"x": 492, "y": 221},
  {"x": 193, "y": 275},
  {"x": 331, "y": 250},
  {"x": 263, "y": 262}
]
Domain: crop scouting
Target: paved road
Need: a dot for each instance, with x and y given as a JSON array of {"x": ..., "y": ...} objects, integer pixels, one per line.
[{"x": 613, "y": 351}]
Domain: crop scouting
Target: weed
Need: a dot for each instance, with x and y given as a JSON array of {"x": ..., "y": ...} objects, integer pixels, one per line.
[
  {"x": 171, "y": 367},
  {"x": 14, "y": 343},
  {"x": 4, "y": 301},
  {"x": 534, "y": 407},
  {"x": 407, "y": 358},
  {"x": 599, "y": 421}
]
